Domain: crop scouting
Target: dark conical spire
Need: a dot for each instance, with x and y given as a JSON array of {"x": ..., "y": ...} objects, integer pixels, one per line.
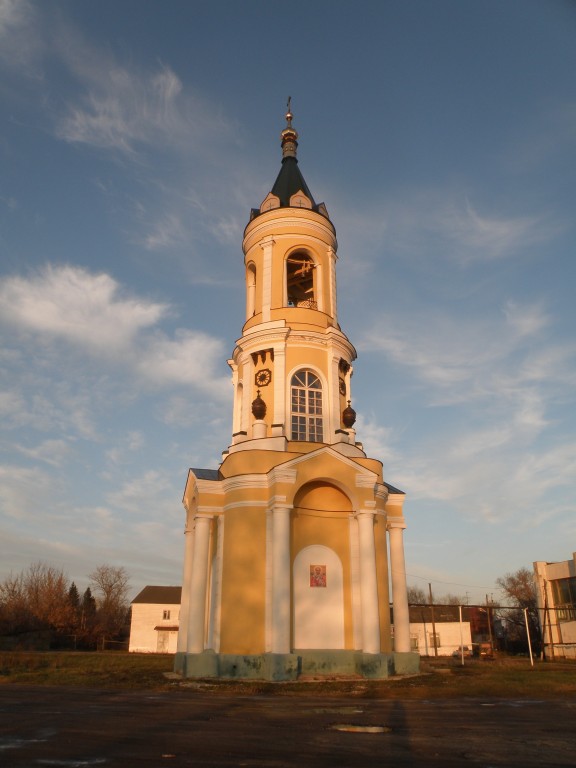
[
  {"x": 289, "y": 190},
  {"x": 290, "y": 181}
]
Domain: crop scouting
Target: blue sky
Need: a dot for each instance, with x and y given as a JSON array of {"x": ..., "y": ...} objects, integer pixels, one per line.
[{"x": 135, "y": 136}]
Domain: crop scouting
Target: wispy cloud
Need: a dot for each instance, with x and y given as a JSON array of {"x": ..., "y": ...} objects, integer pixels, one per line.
[
  {"x": 21, "y": 487},
  {"x": 483, "y": 236},
  {"x": 73, "y": 304},
  {"x": 121, "y": 109},
  {"x": 149, "y": 491},
  {"x": 53, "y": 452},
  {"x": 469, "y": 357},
  {"x": 91, "y": 312},
  {"x": 418, "y": 223}
]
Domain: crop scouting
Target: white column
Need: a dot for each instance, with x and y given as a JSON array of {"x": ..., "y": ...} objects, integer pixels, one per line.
[
  {"x": 332, "y": 266},
  {"x": 185, "y": 599},
  {"x": 334, "y": 385},
  {"x": 368, "y": 583},
  {"x": 267, "y": 246},
  {"x": 279, "y": 384},
  {"x": 399, "y": 592},
  {"x": 281, "y": 579},
  {"x": 198, "y": 584}
]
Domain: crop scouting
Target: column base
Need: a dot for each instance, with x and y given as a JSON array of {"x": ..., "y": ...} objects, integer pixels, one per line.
[
  {"x": 265, "y": 666},
  {"x": 291, "y": 666},
  {"x": 407, "y": 663}
]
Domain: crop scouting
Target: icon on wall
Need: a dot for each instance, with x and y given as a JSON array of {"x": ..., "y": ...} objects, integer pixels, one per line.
[{"x": 317, "y": 575}]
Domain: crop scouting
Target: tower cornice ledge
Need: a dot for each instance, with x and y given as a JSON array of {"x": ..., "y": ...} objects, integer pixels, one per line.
[
  {"x": 303, "y": 220},
  {"x": 264, "y": 333}
]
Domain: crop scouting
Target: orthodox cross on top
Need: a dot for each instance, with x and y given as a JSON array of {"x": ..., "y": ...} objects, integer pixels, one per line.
[{"x": 289, "y": 114}]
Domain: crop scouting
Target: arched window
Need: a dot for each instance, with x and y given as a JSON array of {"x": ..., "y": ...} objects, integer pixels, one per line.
[
  {"x": 306, "y": 407},
  {"x": 300, "y": 281}
]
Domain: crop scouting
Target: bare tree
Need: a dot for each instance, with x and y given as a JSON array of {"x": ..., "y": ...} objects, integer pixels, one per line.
[
  {"x": 46, "y": 589},
  {"x": 520, "y": 590},
  {"x": 450, "y": 599},
  {"x": 416, "y": 596},
  {"x": 111, "y": 585},
  {"x": 36, "y": 599}
]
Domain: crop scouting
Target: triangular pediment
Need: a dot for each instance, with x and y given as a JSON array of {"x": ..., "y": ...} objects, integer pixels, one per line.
[{"x": 320, "y": 455}]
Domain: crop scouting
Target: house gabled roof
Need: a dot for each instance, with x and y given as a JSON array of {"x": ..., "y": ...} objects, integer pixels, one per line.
[{"x": 159, "y": 595}]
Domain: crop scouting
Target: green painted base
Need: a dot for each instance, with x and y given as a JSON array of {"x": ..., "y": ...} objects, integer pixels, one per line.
[{"x": 290, "y": 666}]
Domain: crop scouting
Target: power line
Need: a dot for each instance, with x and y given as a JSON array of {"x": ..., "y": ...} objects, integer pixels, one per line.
[{"x": 449, "y": 583}]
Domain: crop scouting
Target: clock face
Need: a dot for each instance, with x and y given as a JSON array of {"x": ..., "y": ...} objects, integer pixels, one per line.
[
  {"x": 263, "y": 377},
  {"x": 342, "y": 386}
]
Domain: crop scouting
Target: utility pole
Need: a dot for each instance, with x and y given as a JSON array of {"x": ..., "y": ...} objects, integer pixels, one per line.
[
  {"x": 489, "y": 625},
  {"x": 433, "y": 622}
]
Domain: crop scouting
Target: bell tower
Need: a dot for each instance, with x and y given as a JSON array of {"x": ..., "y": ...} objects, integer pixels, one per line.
[
  {"x": 294, "y": 543},
  {"x": 292, "y": 357}
]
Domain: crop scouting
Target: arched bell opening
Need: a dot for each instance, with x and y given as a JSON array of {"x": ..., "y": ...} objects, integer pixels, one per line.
[{"x": 301, "y": 288}]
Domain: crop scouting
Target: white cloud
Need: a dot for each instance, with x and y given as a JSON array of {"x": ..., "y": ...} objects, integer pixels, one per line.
[
  {"x": 123, "y": 108},
  {"x": 526, "y": 319},
  {"x": 166, "y": 232},
  {"x": 22, "y": 489},
  {"x": 483, "y": 236},
  {"x": 422, "y": 222},
  {"x": 89, "y": 311},
  {"x": 149, "y": 493},
  {"x": 191, "y": 358},
  {"x": 131, "y": 443},
  {"x": 377, "y": 440},
  {"x": 71, "y": 303},
  {"x": 470, "y": 358},
  {"x": 13, "y": 14},
  {"x": 20, "y": 40},
  {"x": 53, "y": 452}
]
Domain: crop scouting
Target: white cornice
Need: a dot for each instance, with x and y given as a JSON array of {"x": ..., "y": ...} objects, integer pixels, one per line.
[
  {"x": 304, "y": 220},
  {"x": 283, "y": 474},
  {"x": 245, "y": 481}
]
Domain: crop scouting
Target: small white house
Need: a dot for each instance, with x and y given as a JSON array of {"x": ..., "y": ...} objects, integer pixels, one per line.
[
  {"x": 439, "y": 626},
  {"x": 154, "y": 624}
]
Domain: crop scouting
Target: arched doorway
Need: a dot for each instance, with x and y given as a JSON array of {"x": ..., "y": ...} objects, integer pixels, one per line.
[
  {"x": 321, "y": 584},
  {"x": 318, "y": 586}
]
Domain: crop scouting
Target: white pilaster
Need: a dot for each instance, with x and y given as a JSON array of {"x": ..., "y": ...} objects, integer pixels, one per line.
[
  {"x": 332, "y": 278},
  {"x": 334, "y": 385},
  {"x": 185, "y": 599},
  {"x": 279, "y": 383},
  {"x": 247, "y": 379},
  {"x": 368, "y": 583},
  {"x": 355, "y": 584},
  {"x": 267, "y": 246},
  {"x": 281, "y": 579},
  {"x": 319, "y": 289},
  {"x": 198, "y": 584},
  {"x": 399, "y": 591}
]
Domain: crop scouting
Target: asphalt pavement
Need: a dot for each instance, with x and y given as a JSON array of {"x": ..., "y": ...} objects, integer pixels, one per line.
[{"x": 193, "y": 727}]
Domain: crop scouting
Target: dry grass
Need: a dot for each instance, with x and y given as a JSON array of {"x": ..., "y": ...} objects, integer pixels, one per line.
[{"x": 445, "y": 678}]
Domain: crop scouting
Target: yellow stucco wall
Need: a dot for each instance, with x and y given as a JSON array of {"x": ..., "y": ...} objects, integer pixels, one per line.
[{"x": 243, "y": 582}]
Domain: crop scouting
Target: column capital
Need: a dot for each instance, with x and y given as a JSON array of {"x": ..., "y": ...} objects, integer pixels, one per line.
[
  {"x": 365, "y": 513},
  {"x": 204, "y": 516},
  {"x": 280, "y": 507},
  {"x": 395, "y": 524}
]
